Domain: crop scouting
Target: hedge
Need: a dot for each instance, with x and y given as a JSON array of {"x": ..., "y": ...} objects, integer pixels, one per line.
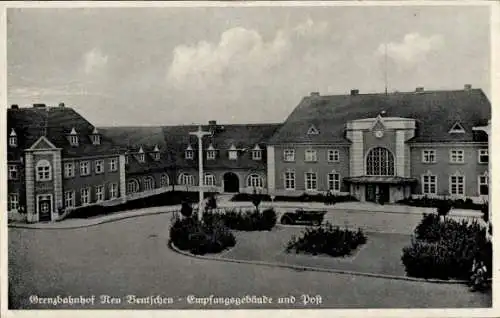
[
  {"x": 426, "y": 202},
  {"x": 305, "y": 197},
  {"x": 201, "y": 237},
  {"x": 162, "y": 199},
  {"x": 249, "y": 220},
  {"x": 445, "y": 248},
  {"x": 327, "y": 239}
]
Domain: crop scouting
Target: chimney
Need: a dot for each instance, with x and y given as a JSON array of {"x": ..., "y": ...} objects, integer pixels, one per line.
[
  {"x": 14, "y": 106},
  {"x": 467, "y": 87},
  {"x": 314, "y": 94},
  {"x": 39, "y": 105},
  {"x": 419, "y": 89},
  {"x": 212, "y": 126},
  {"x": 61, "y": 104},
  {"x": 354, "y": 92}
]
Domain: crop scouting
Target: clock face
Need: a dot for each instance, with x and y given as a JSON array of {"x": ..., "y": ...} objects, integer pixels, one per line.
[{"x": 379, "y": 133}]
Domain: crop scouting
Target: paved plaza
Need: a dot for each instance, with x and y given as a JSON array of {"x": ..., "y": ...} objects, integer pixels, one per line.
[{"x": 131, "y": 257}]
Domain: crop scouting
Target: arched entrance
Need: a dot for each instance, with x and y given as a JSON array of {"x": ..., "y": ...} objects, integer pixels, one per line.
[{"x": 231, "y": 182}]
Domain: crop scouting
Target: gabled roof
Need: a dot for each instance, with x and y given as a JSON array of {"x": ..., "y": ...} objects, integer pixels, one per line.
[
  {"x": 434, "y": 111},
  {"x": 55, "y": 123}
]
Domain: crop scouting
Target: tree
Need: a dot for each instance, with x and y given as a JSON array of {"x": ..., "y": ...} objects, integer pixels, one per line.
[
  {"x": 443, "y": 208},
  {"x": 256, "y": 199},
  {"x": 186, "y": 209}
]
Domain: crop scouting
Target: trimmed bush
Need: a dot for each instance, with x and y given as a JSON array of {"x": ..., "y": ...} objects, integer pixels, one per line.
[
  {"x": 250, "y": 220},
  {"x": 327, "y": 239},
  {"x": 446, "y": 248},
  {"x": 201, "y": 237}
]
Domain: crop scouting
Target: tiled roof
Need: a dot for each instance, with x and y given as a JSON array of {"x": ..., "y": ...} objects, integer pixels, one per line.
[
  {"x": 174, "y": 140},
  {"x": 434, "y": 111},
  {"x": 55, "y": 123}
]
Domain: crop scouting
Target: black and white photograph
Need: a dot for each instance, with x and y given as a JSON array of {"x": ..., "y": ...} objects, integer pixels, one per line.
[{"x": 248, "y": 155}]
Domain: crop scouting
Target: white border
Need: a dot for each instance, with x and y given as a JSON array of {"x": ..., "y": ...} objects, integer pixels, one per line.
[{"x": 495, "y": 140}]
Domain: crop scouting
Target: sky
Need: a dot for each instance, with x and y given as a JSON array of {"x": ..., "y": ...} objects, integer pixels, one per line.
[{"x": 171, "y": 65}]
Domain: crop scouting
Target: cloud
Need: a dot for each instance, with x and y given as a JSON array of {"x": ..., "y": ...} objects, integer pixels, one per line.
[
  {"x": 94, "y": 61},
  {"x": 241, "y": 54},
  {"x": 414, "y": 48}
]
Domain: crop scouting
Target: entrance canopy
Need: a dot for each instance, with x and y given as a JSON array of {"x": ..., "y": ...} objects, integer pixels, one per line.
[{"x": 381, "y": 179}]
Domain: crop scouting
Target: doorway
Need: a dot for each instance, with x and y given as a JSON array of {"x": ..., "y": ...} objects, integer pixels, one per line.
[
  {"x": 44, "y": 207},
  {"x": 378, "y": 193},
  {"x": 231, "y": 182}
]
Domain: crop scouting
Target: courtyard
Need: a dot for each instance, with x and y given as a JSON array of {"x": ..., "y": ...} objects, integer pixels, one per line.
[{"x": 131, "y": 257}]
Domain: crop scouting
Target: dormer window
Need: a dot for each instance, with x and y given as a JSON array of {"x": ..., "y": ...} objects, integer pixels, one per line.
[
  {"x": 312, "y": 130},
  {"x": 233, "y": 153},
  {"x": 156, "y": 153},
  {"x": 73, "y": 137},
  {"x": 13, "y": 139},
  {"x": 211, "y": 152},
  {"x": 95, "y": 137},
  {"x": 142, "y": 156},
  {"x": 457, "y": 128},
  {"x": 189, "y": 154},
  {"x": 256, "y": 153}
]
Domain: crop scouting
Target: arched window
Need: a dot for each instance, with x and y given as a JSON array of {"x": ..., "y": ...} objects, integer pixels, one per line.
[
  {"x": 209, "y": 180},
  {"x": 186, "y": 179},
  {"x": 149, "y": 183},
  {"x": 380, "y": 162},
  {"x": 43, "y": 170},
  {"x": 255, "y": 181},
  {"x": 164, "y": 181},
  {"x": 132, "y": 186}
]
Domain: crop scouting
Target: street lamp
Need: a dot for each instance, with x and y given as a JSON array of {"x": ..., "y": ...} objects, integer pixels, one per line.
[{"x": 200, "y": 133}]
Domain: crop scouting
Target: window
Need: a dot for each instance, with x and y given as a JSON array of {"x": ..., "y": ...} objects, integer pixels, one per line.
[
  {"x": 186, "y": 179},
  {"x": 233, "y": 154},
  {"x": 69, "y": 169},
  {"x": 457, "y": 184},
  {"x": 99, "y": 166},
  {"x": 290, "y": 180},
  {"x": 164, "y": 181},
  {"x": 312, "y": 131},
  {"x": 113, "y": 190},
  {"x": 380, "y": 162},
  {"x": 483, "y": 156},
  {"x": 255, "y": 181},
  {"x": 189, "y": 154},
  {"x": 211, "y": 154},
  {"x": 289, "y": 155},
  {"x": 99, "y": 193},
  {"x": 256, "y": 154},
  {"x": 149, "y": 183},
  {"x": 429, "y": 184},
  {"x": 69, "y": 199},
  {"x": 84, "y": 168},
  {"x": 333, "y": 155},
  {"x": 13, "y": 202},
  {"x": 456, "y": 156},
  {"x": 126, "y": 159},
  {"x": 483, "y": 184},
  {"x": 73, "y": 140},
  {"x": 457, "y": 128},
  {"x": 334, "y": 181},
  {"x": 311, "y": 155},
  {"x": 85, "y": 195},
  {"x": 209, "y": 180},
  {"x": 113, "y": 164},
  {"x": 132, "y": 186},
  {"x": 13, "y": 173},
  {"x": 428, "y": 156},
  {"x": 43, "y": 171},
  {"x": 311, "y": 181},
  {"x": 13, "y": 139},
  {"x": 96, "y": 139},
  {"x": 156, "y": 155},
  {"x": 142, "y": 157}
]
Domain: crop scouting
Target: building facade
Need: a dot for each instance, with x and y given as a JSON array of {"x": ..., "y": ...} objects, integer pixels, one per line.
[{"x": 375, "y": 147}]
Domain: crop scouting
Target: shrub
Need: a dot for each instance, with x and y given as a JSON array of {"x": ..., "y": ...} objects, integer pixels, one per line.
[
  {"x": 446, "y": 248},
  {"x": 246, "y": 197},
  {"x": 211, "y": 203},
  {"x": 327, "y": 239},
  {"x": 201, "y": 237},
  {"x": 186, "y": 209},
  {"x": 426, "y": 202},
  {"x": 250, "y": 220},
  {"x": 443, "y": 208}
]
